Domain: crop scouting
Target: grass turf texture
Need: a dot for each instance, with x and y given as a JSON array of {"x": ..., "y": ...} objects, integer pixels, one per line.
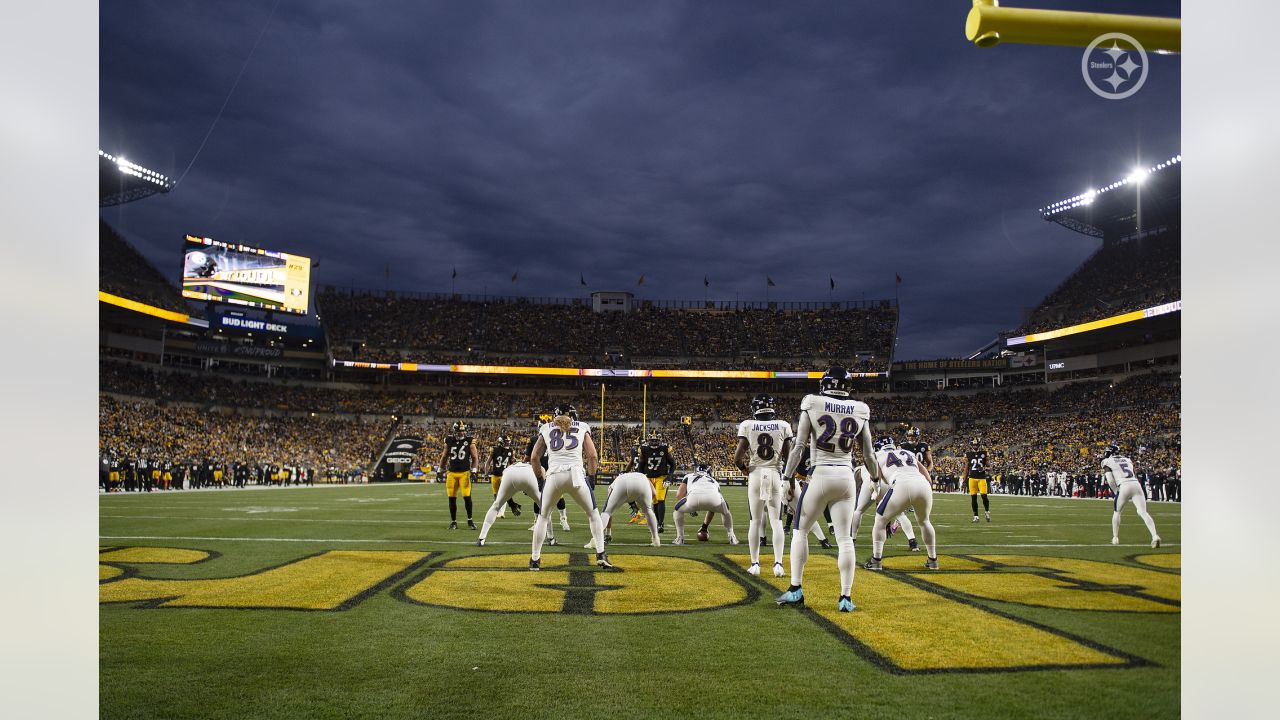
[{"x": 386, "y": 637}]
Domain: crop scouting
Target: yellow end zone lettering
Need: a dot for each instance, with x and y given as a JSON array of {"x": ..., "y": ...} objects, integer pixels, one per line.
[
  {"x": 909, "y": 629},
  {"x": 332, "y": 580}
]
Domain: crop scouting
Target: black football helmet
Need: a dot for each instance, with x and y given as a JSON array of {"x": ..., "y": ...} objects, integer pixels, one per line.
[
  {"x": 884, "y": 442},
  {"x": 565, "y": 409},
  {"x": 459, "y": 427},
  {"x": 655, "y": 439},
  {"x": 836, "y": 382},
  {"x": 1110, "y": 450},
  {"x": 503, "y": 441},
  {"x": 976, "y": 442},
  {"x": 914, "y": 434},
  {"x": 764, "y": 404},
  {"x": 701, "y": 466}
]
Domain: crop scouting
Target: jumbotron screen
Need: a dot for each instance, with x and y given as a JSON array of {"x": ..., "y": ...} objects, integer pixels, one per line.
[{"x": 243, "y": 275}]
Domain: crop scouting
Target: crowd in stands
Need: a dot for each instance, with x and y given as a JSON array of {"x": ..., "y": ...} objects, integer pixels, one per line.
[
  {"x": 124, "y": 272},
  {"x": 1118, "y": 278},
  {"x": 389, "y": 328},
  {"x": 156, "y": 434}
]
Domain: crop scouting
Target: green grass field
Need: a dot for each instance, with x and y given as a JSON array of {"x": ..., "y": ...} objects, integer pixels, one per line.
[{"x": 356, "y": 601}]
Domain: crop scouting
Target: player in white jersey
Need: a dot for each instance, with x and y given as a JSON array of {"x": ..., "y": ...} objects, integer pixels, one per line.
[
  {"x": 1118, "y": 471},
  {"x": 763, "y": 442},
  {"x": 516, "y": 478},
  {"x": 831, "y": 423},
  {"x": 699, "y": 492},
  {"x": 868, "y": 493},
  {"x": 631, "y": 487},
  {"x": 908, "y": 485},
  {"x": 568, "y": 445}
]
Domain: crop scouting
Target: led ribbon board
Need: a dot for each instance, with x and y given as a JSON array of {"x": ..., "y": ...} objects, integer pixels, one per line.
[
  {"x": 596, "y": 372},
  {"x": 1175, "y": 306}
]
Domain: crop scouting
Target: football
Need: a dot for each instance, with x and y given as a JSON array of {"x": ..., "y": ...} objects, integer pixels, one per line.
[{"x": 702, "y": 535}]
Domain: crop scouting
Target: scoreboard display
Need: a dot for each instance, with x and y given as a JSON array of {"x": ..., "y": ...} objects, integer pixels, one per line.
[{"x": 243, "y": 275}]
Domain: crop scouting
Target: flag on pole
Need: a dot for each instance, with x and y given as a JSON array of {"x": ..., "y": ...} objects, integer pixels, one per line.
[
  {"x": 898, "y": 278},
  {"x": 833, "y": 281},
  {"x": 515, "y": 275},
  {"x": 582, "y": 280},
  {"x": 705, "y": 281},
  {"x": 455, "y": 273},
  {"x": 770, "y": 281},
  {"x": 641, "y": 280}
]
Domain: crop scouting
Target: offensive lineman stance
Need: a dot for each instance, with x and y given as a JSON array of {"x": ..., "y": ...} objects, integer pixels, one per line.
[
  {"x": 762, "y": 442},
  {"x": 515, "y": 478},
  {"x": 867, "y": 497},
  {"x": 909, "y": 486},
  {"x": 831, "y": 423},
  {"x": 1118, "y": 471},
  {"x": 460, "y": 455},
  {"x": 631, "y": 487},
  {"x": 566, "y": 443},
  {"x": 700, "y": 492}
]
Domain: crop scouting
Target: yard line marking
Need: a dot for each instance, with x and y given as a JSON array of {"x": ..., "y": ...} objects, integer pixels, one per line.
[{"x": 526, "y": 542}]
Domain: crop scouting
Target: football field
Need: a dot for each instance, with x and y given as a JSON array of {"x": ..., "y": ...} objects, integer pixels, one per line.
[{"x": 357, "y": 601}]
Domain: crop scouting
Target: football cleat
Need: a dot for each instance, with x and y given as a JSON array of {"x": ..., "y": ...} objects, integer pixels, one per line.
[
  {"x": 826, "y": 544},
  {"x": 661, "y": 528},
  {"x": 453, "y": 525},
  {"x": 678, "y": 541},
  {"x": 470, "y": 525},
  {"x": 1115, "y": 541},
  {"x": 642, "y": 521},
  {"x": 535, "y": 564},
  {"x": 590, "y": 544},
  {"x": 764, "y": 542},
  {"x": 931, "y": 564},
  {"x": 1155, "y": 542},
  {"x": 602, "y": 560},
  {"x": 553, "y": 541},
  {"x": 635, "y": 518},
  {"x": 975, "y": 518},
  {"x": 831, "y": 529},
  {"x": 873, "y": 564},
  {"x": 791, "y": 597},
  {"x": 479, "y": 542},
  {"x": 564, "y": 522},
  {"x": 777, "y": 569},
  {"x": 656, "y": 543},
  {"x": 608, "y": 538},
  {"x": 915, "y": 546},
  {"x": 845, "y": 605},
  {"x": 501, "y": 514},
  {"x": 754, "y": 569},
  {"x": 515, "y": 509},
  {"x": 988, "y": 516}
]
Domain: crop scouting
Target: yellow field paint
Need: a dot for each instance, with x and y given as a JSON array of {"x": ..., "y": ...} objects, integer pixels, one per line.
[
  {"x": 1169, "y": 561},
  {"x": 642, "y": 584},
  {"x": 168, "y": 556},
  {"x": 920, "y": 631},
  {"x": 916, "y": 562},
  {"x": 1064, "y": 583},
  {"x": 106, "y": 572},
  {"x": 322, "y": 582}
]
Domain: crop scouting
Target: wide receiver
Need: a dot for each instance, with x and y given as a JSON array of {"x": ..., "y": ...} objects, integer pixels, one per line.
[
  {"x": 1120, "y": 475},
  {"x": 571, "y": 457},
  {"x": 763, "y": 441},
  {"x": 832, "y": 424},
  {"x": 458, "y": 458},
  {"x": 975, "y": 477},
  {"x": 908, "y": 486}
]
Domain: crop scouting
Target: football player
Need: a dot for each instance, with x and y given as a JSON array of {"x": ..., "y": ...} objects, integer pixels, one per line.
[
  {"x": 974, "y": 476},
  {"x": 653, "y": 458},
  {"x": 789, "y": 502},
  {"x": 763, "y": 441},
  {"x": 1119, "y": 473},
  {"x": 537, "y": 510},
  {"x": 571, "y": 457},
  {"x": 500, "y": 458},
  {"x": 700, "y": 492},
  {"x": 908, "y": 486},
  {"x": 630, "y": 487},
  {"x": 831, "y": 423},
  {"x": 458, "y": 458},
  {"x": 517, "y": 477},
  {"x": 868, "y": 492},
  {"x": 914, "y": 444}
]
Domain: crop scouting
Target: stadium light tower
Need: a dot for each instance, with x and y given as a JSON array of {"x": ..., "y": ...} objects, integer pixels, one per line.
[
  {"x": 989, "y": 24},
  {"x": 121, "y": 181}
]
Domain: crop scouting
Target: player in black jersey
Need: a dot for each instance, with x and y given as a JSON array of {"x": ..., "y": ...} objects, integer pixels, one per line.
[
  {"x": 914, "y": 444},
  {"x": 975, "y": 476},
  {"x": 653, "y": 458},
  {"x": 458, "y": 458},
  {"x": 500, "y": 458}
]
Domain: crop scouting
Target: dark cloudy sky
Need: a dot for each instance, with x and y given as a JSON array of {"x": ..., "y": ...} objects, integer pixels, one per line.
[{"x": 614, "y": 139}]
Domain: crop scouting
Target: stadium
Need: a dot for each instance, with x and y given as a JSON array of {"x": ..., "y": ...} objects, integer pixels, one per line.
[{"x": 281, "y": 534}]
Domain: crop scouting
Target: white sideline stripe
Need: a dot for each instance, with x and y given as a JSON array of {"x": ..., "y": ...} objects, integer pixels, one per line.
[{"x": 526, "y": 542}]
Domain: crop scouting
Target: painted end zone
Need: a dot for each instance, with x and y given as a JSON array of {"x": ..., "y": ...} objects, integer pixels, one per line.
[{"x": 906, "y": 628}]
